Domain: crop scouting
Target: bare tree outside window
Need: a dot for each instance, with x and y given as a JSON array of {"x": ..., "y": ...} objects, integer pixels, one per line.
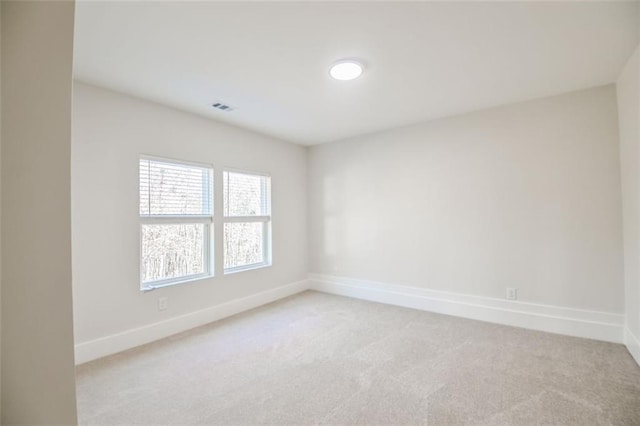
[
  {"x": 172, "y": 251},
  {"x": 247, "y": 217},
  {"x": 175, "y": 212}
]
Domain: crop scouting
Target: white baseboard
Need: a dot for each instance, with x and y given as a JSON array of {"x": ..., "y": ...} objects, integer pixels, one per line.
[
  {"x": 633, "y": 344},
  {"x": 98, "y": 348},
  {"x": 573, "y": 322},
  {"x": 554, "y": 319}
]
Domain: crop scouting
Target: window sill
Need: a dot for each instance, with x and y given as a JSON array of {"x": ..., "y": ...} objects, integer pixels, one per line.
[
  {"x": 168, "y": 283},
  {"x": 246, "y": 268}
]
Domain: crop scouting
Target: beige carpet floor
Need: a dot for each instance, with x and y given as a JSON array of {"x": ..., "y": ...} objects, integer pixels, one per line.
[{"x": 321, "y": 359}]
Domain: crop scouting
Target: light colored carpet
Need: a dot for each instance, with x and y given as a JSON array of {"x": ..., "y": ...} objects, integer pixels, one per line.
[{"x": 320, "y": 359}]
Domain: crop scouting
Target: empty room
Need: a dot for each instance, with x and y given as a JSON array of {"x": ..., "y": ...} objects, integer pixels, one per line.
[{"x": 339, "y": 212}]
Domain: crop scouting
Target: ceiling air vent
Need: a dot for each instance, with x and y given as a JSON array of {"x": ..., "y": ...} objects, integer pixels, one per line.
[{"x": 222, "y": 107}]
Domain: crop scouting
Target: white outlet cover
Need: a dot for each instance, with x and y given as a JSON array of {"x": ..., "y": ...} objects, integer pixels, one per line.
[
  {"x": 512, "y": 293},
  {"x": 162, "y": 303}
]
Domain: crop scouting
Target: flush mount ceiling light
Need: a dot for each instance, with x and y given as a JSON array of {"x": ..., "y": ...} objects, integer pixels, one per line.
[{"x": 347, "y": 69}]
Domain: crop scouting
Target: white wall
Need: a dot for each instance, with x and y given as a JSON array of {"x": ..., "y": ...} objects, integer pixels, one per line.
[
  {"x": 0, "y": 212},
  {"x": 628, "y": 89},
  {"x": 38, "y": 380},
  {"x": 525, "y": 196},
  {"x": 110, "y": 131}
]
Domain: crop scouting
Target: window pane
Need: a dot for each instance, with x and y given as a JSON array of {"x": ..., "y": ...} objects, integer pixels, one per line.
[
  {"x": 243, "y": 244},
  {"x": 174, "y": 189},
  {"x": 246, "y": 194},
  {"x": 173, "y": 251}
]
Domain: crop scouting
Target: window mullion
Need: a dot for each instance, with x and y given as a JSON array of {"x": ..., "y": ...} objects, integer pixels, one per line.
[
  {"x": 246, "y": 219},
  {"x": 148, "y": 220}
]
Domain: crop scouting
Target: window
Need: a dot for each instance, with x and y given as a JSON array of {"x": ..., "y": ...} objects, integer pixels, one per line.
[
  {"x": 247, "y": 221},
  {"x": 176, "y": 213}
]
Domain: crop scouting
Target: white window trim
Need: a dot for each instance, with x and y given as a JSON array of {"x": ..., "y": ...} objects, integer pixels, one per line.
[
  {"x": 206, "y": 220},
  {"x": 265, "y": 219}
]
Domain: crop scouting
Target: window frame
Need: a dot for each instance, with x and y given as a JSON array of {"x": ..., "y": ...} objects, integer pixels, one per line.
[
  {"x": 264, "y": 219},
  {"x": 206, "y": 220}
]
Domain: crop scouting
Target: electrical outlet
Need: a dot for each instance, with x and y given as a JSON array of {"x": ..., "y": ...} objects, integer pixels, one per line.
[
  {"x": 512, "y": 293},
  {"x": 163, "y": 303}
]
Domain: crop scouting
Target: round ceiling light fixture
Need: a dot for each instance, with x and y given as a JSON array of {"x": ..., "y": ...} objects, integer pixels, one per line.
[{"x": 346, "y": 69}]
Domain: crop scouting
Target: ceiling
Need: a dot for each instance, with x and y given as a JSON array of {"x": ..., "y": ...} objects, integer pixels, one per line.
[{"x": 423, "y": 60}]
